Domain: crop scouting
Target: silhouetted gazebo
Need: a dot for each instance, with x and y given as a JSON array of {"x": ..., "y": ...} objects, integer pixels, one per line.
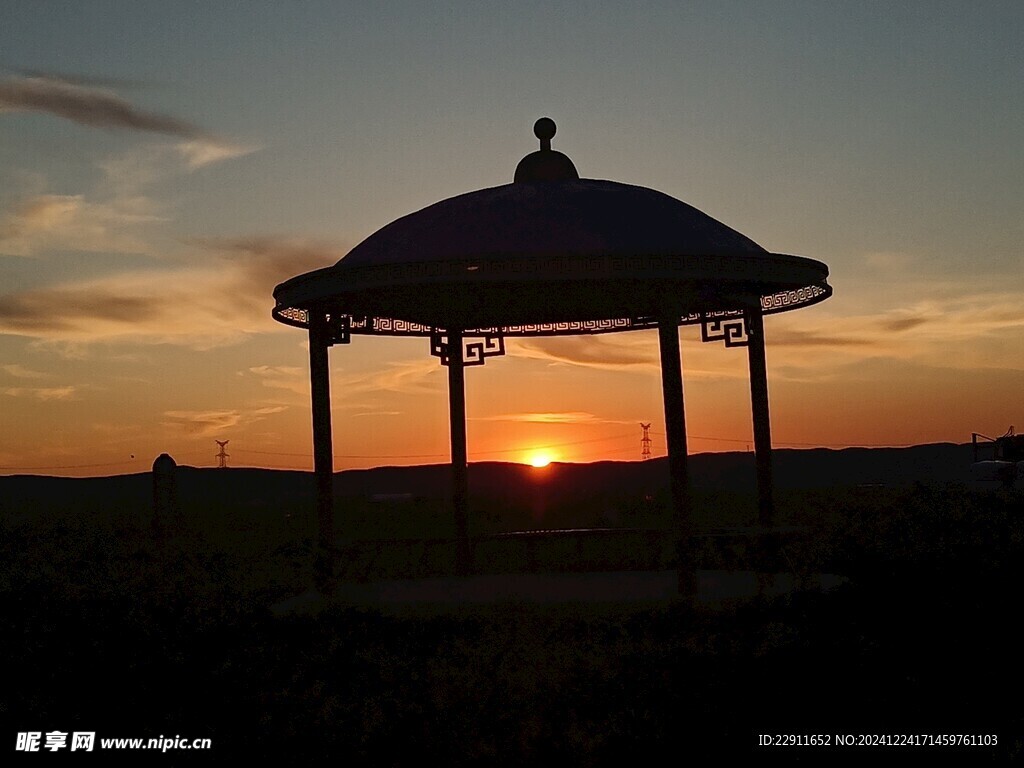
[{"x": 550, "y": 254}]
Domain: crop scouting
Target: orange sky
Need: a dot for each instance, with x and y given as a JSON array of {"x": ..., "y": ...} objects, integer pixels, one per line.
[{"x": 152, "y": 196}]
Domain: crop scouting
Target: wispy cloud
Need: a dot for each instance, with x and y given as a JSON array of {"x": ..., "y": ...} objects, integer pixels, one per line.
[
  {"x": 42, "y": 393},
  {"x": 957, "y": 332},
  {"x": 890, "y": 261},
  {"x": 214, "y": 422},
  {"x": 19, "y": 371},
  {"x": 268, "y": 259},
  {"x": 290, "y": 378},
  {"x": 70, "y": 222},
  {"x": 795, "y": 337},
  {"x": 199, "y": 153},
  {"x": 942, "y": 327},
  {"x": 91, "y": 102},
  {"x": 220, "y": 302},
  {"x": 277, "y": 370},
  {"x": 203, "y": 423},
  {"x": 87, "y": 104},
  {"x": 77, "y": 79},
  {"x": 550, "y": 417},
  {"x": 415, "y": 377},
  {"x": 117, "y": 430},
  {"x": 623, "y": 351},
  {"x": 117, "y": 215},
  {"x": 898, "y": 324},
  {"x": 906, "y": 319}
]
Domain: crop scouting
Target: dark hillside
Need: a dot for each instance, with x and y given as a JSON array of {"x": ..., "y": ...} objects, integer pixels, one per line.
[{"x": 604, "y": 485}]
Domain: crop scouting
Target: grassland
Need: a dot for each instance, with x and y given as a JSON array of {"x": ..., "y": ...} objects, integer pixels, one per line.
[{"x": 107, "y": 629}]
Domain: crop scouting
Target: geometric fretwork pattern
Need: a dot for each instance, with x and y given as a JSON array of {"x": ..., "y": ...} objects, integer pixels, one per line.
[
  {"x": 475, "y": 350},
  {"x": 730, "y": 328},
  {"x": 716, "y": 325},
  {"x": 779, "y": 302}
]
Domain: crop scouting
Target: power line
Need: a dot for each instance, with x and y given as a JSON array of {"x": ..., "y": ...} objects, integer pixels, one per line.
[
  {"x": 610, "y": 452},
  {"x": 81, "y": 466},
  {"x": 435, "y": 455},
  {"x": 791, "y": 442},
  {"x": 67, "y": 466},
  {"x": 349, "y": 456}
]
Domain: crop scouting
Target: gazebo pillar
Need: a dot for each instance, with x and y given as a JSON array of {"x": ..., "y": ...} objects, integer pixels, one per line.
[
  {"x": 323, "y": 453},
  {"x": 460, "y": 477},
  {"x": 675, "y": 431},
  {"x": 759, "y": 407}
]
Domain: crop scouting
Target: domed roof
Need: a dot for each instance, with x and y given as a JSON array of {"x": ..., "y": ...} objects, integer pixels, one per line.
[
  {"x": 542, "y": 219},
  {"x": 578, "y": 255}
]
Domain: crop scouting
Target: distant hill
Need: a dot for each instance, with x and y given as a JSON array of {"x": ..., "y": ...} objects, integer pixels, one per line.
[{"x": 495, "y": 485}]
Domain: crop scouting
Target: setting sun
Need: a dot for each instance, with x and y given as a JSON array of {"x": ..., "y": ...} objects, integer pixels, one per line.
[{"x": 540, "y": 459}]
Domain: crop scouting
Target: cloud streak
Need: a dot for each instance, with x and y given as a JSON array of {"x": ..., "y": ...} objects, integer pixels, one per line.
[
  {"x": 793, "y": 337},
  {"x": 625, "y": 351},
  {"x": 199, "y": 153},
  {"x": 215, "y": 422},
  {"x": 118, "y": 215},
  {"x": 88, "y": 105},
  {"x": 414, "y": 377},
  {"x": 21, "y": 372},
  {"x": 84, "y": 80},
  {"x": 286, "y": 377},
  {"x": 70, "y": 222},
  {"x": 83, "y": 101},
  {"x": 963, "y": 332},
  {"x": 550, "y": 417},
  {"x": 45, "y": 394},
  {"x": 198, "y": 306}
]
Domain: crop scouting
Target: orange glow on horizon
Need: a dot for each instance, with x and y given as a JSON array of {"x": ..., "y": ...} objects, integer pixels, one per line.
[{"x": 540, "y": 459}]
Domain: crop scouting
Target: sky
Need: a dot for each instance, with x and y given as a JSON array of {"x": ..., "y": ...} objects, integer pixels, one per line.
[{"x": 164, "y": 165}]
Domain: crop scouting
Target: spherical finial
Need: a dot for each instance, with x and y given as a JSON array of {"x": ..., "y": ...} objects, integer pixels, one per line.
[
  {"x": 545, "y": 164},
  {"x": 544, "y": 129}
]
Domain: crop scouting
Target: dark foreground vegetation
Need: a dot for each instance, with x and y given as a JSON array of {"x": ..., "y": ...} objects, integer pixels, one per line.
[{"x": 106, "y": 630}]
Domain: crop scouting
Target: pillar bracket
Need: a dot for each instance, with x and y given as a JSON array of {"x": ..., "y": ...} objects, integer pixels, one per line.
[
  {"x": 475, "y": 351},
  {"x": 338, "y": 329},
  {"x": 728, "y": 327}
]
